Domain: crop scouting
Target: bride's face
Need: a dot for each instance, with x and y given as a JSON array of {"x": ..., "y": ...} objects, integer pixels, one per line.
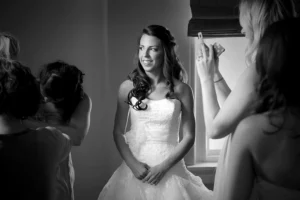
[{"x": 151, "y": 53}]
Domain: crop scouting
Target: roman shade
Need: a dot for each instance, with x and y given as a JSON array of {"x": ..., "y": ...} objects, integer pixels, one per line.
[{"x": 214, "y": 18}]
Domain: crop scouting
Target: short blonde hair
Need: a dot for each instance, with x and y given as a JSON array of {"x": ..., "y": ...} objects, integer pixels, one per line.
[{"x": 258, "y": 15}]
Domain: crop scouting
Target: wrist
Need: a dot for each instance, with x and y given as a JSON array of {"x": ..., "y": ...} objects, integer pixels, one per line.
[
  {"x": 217, "y": 75},
  {"x": 218, "y": 80},
  {"x": 165, "y": 165},
  {"x": 131, "y": 162},
  {"x": 207, "y": 80}
]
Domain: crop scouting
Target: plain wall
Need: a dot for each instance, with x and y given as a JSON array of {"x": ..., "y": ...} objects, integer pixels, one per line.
[{"x": 100, "y": 38}]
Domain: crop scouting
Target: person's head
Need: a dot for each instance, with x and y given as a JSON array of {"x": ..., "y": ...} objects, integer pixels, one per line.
[
  {"x": 9, "y": 46},
  {"x": 61, "y": 84},
  {"x": 157, "y": 50},
  {"x": 156, "y": 53},
  {"x": 257, "y": 15},
  {"x": 276, "y": 63},
  {"x": 19, "y": 90}
]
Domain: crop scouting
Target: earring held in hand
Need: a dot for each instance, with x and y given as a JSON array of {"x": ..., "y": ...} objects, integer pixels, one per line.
[{"x": 218, "y": 48}]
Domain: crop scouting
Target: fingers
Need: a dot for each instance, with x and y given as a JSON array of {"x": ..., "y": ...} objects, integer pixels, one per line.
[
  {"x": 147, "y": 177},
  {"x": 199, "y": 54},
  {"x": 150, "y": 178},
  {"x": 154, "y": 180},
  {"x": 202, "y": 48},
  {"x": 211, "y": 52},
  {"x": 157, "y": 180},
  {"x": 143, "y": 175},
  {"x": 140, "y": 177},
  {"x": 147, "y": 166}
]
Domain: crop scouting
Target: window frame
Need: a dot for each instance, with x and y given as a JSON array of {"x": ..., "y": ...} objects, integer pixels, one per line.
[{"x": 199, "y": 153}]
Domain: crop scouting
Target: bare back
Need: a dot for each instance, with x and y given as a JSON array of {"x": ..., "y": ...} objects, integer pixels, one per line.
[
  {"x": 277, "y": 155},
  {"x": 264, "y": 161}
]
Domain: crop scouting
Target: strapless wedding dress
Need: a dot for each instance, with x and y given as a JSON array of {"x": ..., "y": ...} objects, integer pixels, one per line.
[{"x": 153, "y": 136}]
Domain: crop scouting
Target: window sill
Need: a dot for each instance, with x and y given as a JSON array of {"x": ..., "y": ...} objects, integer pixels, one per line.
[
  {"x": 203, "y": 165},
  {"x": 206, "y": 171}
]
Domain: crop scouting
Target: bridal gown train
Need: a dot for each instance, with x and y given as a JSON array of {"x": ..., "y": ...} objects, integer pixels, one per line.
[{"x": 153, "y": 135}]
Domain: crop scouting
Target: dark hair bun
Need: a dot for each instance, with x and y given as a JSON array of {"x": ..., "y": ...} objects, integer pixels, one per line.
[{"x": 61, "y": 83}]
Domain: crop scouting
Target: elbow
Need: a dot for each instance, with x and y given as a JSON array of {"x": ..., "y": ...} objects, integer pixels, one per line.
[
  {"x": 78, "y": 141},
  {"x": 116, "y": 137},
  {"x": 190, "y": 139},
  {"x": 215, "y": 133}
]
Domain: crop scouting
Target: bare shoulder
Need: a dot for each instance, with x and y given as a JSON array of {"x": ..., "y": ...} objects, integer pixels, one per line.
[
  {"x": 249, "y": 75},
  {"x": 182, "y": 89},
  {"x": 250, "y": 130},
  {"x": 86, "y": 102},
  {"x": 51, "y": 133},
  {"x": 125, "y": 88},
  {"x": 87, "y": 99}
]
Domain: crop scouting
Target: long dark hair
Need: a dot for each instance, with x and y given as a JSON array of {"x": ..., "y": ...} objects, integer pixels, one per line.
[
  {"x": 61, "y": 83},
  {"x": 276, "y": 64},
  {"x": 172, "y": 67}
]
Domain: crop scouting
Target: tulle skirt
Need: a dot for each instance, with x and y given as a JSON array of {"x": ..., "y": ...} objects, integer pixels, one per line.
[{"x": 177, "y": 184}]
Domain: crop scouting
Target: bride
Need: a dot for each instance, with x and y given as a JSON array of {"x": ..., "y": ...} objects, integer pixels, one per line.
[{"x": 158, "y": 102}]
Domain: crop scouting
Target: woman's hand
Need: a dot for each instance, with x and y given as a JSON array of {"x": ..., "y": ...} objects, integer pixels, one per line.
[
  {"x": 207, "y": 65},
  {"x": 139, "y": 169},
  {"x": 155, "y": 174}
]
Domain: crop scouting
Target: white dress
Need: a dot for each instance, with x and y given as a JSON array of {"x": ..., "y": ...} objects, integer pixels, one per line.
[{"x": 153, "y": 136}]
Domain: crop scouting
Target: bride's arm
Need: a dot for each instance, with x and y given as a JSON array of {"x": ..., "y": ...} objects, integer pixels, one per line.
[
  {"x": 188, "y": 127},
  {"x": 138, "y": 169}
]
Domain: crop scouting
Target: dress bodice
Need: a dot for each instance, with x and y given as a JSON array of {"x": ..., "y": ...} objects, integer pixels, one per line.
[{"x": 158, "y": 124}]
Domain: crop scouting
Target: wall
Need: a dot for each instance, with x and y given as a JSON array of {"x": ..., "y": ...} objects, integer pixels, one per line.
[{"x": 100, "y": 38}]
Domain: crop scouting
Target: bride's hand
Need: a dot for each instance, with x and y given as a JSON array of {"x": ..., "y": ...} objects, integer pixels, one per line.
[
  {"x": 206, "y": 65},
  {"x": 139, "y": 169},
  {"x": 155, "y": 174}
]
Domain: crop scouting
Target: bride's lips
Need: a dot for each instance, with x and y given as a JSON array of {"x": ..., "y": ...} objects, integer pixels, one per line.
[{"x": 146, "y": 62}]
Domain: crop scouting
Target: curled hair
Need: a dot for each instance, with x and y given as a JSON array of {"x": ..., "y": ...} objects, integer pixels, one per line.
[
  {"x": 19, "y": 90},
  {"x": 171, "y": 67},
  {"x": 258, "y": 15},
  {"x": 278, "y": 72},
  {"x": 61, "y": 83},
  {"x": 9, "y": 46}
]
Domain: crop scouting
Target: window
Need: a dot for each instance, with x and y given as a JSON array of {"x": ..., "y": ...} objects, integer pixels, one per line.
[{"x": 231, "y": 64}]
